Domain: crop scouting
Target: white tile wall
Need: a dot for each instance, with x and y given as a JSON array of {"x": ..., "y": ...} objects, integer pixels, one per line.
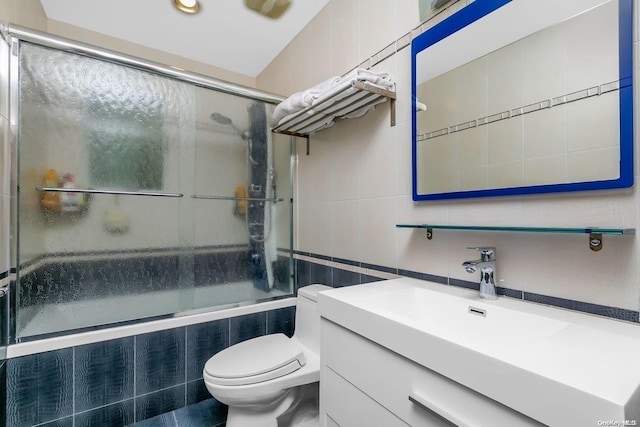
[{"x": 561, "y": 266}]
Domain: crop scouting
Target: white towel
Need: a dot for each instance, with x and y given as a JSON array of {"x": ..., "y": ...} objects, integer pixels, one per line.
[
  {"x": 378, "y": 78},
  {"x": 327, "y": 93},
  {"x": 301, "y": 100}
]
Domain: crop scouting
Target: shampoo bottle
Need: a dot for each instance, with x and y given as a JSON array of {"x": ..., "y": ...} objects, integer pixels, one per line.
[{"x": 49, "y": 200}]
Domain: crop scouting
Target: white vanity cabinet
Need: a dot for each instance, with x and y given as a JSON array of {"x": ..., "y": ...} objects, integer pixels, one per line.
[
  {"x": 411, "y": 352},
  {"x": 365, "y": 384}
]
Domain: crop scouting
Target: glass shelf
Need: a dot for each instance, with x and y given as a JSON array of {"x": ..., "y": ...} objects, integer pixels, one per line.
[{"x": 595, "y": 233}]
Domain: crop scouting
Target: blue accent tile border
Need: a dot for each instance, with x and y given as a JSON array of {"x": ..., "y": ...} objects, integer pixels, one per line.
[
  {"x": 379, "y": 268},
  {"x": 346, "y": 261},
  {"x": 474, "y": 286},
  {"x": 511, "y": 293},
  {"x": 337, "y": 277},
  {"x": 601, "y": 310},
  {"x": 424, "y": 276}
]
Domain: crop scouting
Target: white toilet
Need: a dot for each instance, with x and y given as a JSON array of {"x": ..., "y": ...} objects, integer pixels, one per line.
[{"x": 272, "y": 380}]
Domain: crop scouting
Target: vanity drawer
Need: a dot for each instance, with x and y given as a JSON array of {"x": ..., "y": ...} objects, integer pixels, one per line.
[
  {"x": 346, "y": 406},
  {"x": 417, "y": 395}
]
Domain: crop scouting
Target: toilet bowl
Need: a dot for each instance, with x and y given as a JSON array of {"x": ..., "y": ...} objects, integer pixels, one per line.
[{"x": 265, "y": 377}]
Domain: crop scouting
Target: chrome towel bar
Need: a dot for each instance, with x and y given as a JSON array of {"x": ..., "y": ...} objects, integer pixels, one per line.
[
  {"x": 116, "y": 192},
  {"x": 251, "y": 199}
]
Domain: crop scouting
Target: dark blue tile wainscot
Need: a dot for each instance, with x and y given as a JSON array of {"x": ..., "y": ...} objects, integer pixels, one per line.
[
  {"x": 197, "y": 392},
  {"x": 118, "y": 414},
  {"x": 203, "y": 341},
  {"x": 130, "y": 380},
  {"x": 159, "y": 402},
  {"x": 104, "y": 373},
  {"x": 160, "y": 360},
  {"x": 345, "y": 278},
  {"x": 39, "y": 388},
  {"x": 246, "y": 327},
  {"x": 282, "y": 321}
]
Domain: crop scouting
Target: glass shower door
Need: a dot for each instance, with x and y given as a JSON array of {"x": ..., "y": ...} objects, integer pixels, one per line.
[
  {"x": 104, "y": 232},
  {"x": 141, "y": 195}
]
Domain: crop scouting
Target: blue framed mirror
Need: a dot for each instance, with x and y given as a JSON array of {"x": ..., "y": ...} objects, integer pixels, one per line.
[{"x": 523, "y": 96}]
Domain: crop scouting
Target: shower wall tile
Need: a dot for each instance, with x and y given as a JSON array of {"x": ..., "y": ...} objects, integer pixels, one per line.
[
  {"x": 118, "y": 414},
  {"x": 203, "y": 341},
  {"x": 246, "y": 327},
  {"x": 104, "y": 373},
  {"x": 39, "y": 387},
  {"x": 167, "y": 400},
  {"x": 160, "y": 360},
  {"x": 281, "y": 321}
]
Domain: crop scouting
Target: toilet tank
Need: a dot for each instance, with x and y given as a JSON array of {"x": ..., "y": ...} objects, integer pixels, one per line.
[{"x": 307, "y": 328}]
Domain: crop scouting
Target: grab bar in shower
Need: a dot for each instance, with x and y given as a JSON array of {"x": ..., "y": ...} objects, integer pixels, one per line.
[
  {"x": 116, "y": 192},
  {"x": 250, "y": 199}
]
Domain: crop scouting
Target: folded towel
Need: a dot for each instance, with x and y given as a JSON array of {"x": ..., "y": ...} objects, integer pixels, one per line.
[
  {"x": 323, "y": 95},
  {"x": 301, "y": 100},
  {"x": 377, "y": 78}
]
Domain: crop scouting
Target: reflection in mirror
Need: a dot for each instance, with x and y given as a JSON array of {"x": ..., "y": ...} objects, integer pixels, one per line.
[{"x": 517, "y": 107}]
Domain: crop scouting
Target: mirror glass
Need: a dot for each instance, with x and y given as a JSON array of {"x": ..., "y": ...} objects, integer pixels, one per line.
[{"x": 524, "y": 96}]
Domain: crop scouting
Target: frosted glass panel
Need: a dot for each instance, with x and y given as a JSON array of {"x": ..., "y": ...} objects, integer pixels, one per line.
[{"x": 89, "y": 260}]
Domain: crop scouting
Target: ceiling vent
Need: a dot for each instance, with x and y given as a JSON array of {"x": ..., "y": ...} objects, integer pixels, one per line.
[{"x": 270, "y": 8}]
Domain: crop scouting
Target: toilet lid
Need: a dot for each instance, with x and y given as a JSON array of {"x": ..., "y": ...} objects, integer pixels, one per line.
[{"x": 255, "y": 360}]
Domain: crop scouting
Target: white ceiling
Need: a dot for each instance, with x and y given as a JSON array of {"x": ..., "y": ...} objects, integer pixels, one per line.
[{"x": 224, "y": 33}]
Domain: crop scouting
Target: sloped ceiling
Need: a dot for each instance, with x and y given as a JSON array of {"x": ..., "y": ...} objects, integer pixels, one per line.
[{"x": 224, "y": 33}]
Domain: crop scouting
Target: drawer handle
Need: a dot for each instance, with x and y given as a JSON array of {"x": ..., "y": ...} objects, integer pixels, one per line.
[{"x": 434, "y": 409}]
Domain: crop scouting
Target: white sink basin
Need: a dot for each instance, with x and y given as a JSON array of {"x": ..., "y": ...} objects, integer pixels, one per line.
[
  {"x": 472, "y": 321},
  {"x": 557, "y": 366}
]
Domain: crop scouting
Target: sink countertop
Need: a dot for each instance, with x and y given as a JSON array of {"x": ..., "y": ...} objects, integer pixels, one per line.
[{"x": 557, "y": 366}]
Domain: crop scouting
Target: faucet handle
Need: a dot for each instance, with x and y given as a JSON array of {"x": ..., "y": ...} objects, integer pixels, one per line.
[{"x": 487, "y": 253}]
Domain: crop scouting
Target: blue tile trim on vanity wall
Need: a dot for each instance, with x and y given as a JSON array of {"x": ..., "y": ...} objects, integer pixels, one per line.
[
  {"x": 127, "y": 380},
  {"x": 309, "y": 272},
  {"x": 601, "y": 310}
]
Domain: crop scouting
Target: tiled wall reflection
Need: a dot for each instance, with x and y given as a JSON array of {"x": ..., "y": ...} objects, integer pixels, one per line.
[{"x": 127, "y": 380}]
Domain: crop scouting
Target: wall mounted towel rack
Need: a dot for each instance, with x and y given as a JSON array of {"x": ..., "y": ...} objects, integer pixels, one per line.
[{"x": 348, "y": 103}]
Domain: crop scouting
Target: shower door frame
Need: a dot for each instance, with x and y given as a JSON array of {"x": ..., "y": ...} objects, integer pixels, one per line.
[{"x": 13, "y": 35}]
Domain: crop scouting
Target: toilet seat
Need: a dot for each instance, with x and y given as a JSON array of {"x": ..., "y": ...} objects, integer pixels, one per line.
[{"x": 255, "y": 360}]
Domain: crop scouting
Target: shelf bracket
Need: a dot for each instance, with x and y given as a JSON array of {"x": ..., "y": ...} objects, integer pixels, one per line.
[
  {"x": 392, "y": 109},
  {"x": 595, "y": 241}
]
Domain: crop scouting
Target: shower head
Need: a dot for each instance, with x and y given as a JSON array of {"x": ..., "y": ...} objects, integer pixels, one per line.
[
  {"x": 219, "y": 118},
  {"x": 226, "y": 121},
  {"x": 246, "y": 136}
]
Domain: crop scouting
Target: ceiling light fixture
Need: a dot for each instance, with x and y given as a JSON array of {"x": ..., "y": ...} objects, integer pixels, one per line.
[{"x": 187, "y": 6}]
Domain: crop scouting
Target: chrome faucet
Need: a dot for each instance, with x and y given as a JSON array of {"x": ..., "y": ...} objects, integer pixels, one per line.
[{"x": 487, "y": 266}]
